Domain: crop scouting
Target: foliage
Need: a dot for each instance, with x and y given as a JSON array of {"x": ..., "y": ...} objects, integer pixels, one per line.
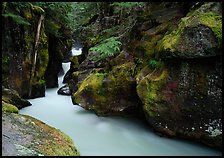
[
  {"x": 125, "y": 6},
  {"x": 58, "y": 16},
  {"x": 82, "y": 13},
  {"x": 153, "y": 63},
  {"x": 108, "y": 47},
  {"x": 14, "y": 11},
  {"x": 17, "y": 18}
]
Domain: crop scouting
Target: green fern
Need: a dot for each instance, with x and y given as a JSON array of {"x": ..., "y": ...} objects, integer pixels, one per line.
[
  {"x": 16, "y": 18},
  {"x": 108, "y": 47},
  {"x": 154, "y": 63}
]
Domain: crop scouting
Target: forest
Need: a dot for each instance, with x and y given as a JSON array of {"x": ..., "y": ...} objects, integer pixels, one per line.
[{"x": 159, "y": 62}]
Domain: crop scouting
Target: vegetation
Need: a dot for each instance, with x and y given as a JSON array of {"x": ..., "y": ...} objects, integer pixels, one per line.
[
  {"x": 108, "y": 47},
  {"x": 153, "y": 63}
]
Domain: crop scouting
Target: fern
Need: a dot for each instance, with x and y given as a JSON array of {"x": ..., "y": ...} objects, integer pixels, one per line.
[
  {"x": 154, "y": 63},
  {"x": 108, "y": 47},
  {"x": 17, "y": 18}
]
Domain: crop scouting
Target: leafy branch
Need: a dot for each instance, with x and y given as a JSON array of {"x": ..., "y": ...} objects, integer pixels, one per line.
[{"x": 108, "y": 47}]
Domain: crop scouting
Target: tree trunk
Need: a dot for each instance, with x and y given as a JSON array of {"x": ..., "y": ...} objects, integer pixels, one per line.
[{"x": 35, "y": 52}]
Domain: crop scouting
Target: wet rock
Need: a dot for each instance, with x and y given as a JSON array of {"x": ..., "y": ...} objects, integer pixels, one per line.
[
  {"x": 12, "y": 97},
  {"x": 25, "y": 136},
  {"x": 64, "y": 90}
]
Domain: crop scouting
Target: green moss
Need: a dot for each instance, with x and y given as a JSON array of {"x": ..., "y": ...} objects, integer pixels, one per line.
[
  {"x": 94, "y": 80},
  {"x": 6, "y": 107},
  {"x": 92, "y": 86},
  {"x": 210, "y": 19},
  {"x": 41, "y": 82},
  {"x": 214, "y": 21},
  {"x": 43, "y": 55},
  {"x": 37, "y": 8},
  {"x": 75, "y": 61},
  {"x": 148, "y": 90},
  {"x": 53, "y": 141}
]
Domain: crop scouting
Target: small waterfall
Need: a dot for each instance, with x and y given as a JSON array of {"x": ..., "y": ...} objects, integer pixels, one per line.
[{"x": 76, "y": 51}]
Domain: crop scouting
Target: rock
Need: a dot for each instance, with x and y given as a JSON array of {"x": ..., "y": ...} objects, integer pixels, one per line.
[
  {"x": 111, "y": 93},
  {"x": 64, "y": 90},
  {"x": 73, "y": 67},
  {"x": 58, "y": 47},
  {"x": 183, "y": 99},
  {"x": 12, "y": 97},
  {"x": 26, "y": 136},
  {"x": 198, "y": 35}
]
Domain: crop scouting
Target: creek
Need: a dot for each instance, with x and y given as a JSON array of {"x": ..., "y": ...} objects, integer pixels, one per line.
[{"x": 107, "y": 136}]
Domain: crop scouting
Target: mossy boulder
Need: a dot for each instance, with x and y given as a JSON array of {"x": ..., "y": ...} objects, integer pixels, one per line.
[
  {"x": 199, "y": 34},
  {"x": 23, "y": 135},
  {"x": 109, "y": 93},
  {"x": 183, "y": 99}
]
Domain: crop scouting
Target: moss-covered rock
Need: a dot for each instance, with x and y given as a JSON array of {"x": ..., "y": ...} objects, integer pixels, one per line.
[
  {"x": 6, "y": 107},
  {"x": 183, "y": 99},
  {"x": 199, "y": 34},
  {"x": 23, "y": 135},
  {"x": 109, "y": 93}
]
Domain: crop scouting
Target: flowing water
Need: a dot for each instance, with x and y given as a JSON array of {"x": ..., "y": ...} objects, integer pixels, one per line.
[{"x": 113, "y": 136}]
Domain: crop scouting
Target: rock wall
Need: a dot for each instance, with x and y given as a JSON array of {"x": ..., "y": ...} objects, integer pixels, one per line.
[{"x": 18, "y": 44}]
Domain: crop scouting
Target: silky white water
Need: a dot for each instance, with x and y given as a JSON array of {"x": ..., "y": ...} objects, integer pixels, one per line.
[{"x": 97, "y": 136}]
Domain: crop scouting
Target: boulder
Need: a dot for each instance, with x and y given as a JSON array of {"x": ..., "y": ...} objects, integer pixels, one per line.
[
  {"x": 64, "y": 90},
  {"x": 109, "y": 93},
  {"x": 23, "y": 135},
  {"x": 198, "y": 35},
  {"x": 184, "y": 99}
]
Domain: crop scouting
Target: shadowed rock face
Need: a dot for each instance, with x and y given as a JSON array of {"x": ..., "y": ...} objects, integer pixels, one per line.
[
  {"x": 25, "y": 136},
  {"x": 18, "y": 53},
  {"x": 12, "y": 97}
]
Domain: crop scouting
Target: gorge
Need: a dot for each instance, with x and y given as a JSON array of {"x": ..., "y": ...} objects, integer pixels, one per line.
[{"x": 112, "y": 78}]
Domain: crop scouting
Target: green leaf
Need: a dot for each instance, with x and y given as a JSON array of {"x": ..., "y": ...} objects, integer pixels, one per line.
[
  {"x": 17, "y": 18},
  {"x": 108, "y": 47}
]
